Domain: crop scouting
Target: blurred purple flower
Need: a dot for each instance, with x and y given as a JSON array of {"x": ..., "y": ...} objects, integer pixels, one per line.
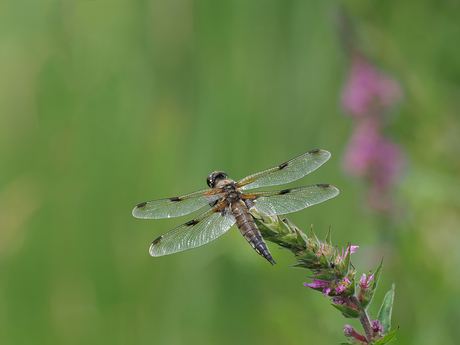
[
  {"x": 367, "y": 88},
  {"x": 369, "y": 154},
  {"x": 372, "y": 156}
]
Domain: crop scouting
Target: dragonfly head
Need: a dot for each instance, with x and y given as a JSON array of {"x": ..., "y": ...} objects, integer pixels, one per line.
[{"x": 215, "y": 177}]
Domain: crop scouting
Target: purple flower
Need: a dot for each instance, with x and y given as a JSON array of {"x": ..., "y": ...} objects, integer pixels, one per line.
[
  {"x": 352, "y": 250},
  {"x": 327, "y": 287},
  {"x": 368, "y": 89},
  {"x": 372, "y": 156},
  {"x": 348, "y": 330},
  {"x": 352, "y": 333},
  {"x": 365, "y": 283},
  {"x": 344, "y": 301},
  {"x": 318, "y": 283},
  {"x": 376, "y": 327},
  {"x": 340, "y": 288}
]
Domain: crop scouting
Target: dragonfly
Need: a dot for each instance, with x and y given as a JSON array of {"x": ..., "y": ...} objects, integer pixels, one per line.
[{"x": 231, "y": 203}]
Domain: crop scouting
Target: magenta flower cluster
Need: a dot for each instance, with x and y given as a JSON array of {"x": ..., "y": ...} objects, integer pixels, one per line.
[
  {"x": 368, "y": 90},
  {"x": 370, "y": 154},
  {"x": 327, "y": 286}
]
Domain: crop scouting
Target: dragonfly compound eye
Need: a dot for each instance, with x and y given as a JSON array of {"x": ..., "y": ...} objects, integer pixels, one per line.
[{"x": 215, "y": 177}]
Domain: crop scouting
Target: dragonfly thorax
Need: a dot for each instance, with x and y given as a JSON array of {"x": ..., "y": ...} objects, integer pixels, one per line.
[{"x": 232, "y": 193}]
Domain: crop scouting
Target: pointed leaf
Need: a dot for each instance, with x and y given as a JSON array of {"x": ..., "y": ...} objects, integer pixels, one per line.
[
  {"x": 348, "y": 265},
  {"x": 351, "y": 289},
  {"x": 328, "y": 237},
  {"x": 348, "y": 258},
  {"x": 386, "y": 309},
  {"x": 300, "y": 239},
  {"x": 313, "y": 235},
  {"x": 290, "y": 225},
  {"x": 387, "y": 338},
  {"x": 324, "y": 260},
  {"x": 377, "y": 275}
]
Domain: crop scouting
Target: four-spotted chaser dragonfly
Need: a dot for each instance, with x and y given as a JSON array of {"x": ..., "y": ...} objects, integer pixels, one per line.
[{"x": 230, "y": 204}]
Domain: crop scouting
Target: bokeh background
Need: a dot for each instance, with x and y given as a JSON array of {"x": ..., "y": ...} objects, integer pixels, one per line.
[{"x": 106, "y": 104}]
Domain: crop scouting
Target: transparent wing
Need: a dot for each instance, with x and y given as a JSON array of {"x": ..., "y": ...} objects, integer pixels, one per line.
[
  {"x": 178, "y": 206},
  {"x": 287, "y": 172},
  {"x": 291, "y": 200},
  {"x": 204, "y": 229}
]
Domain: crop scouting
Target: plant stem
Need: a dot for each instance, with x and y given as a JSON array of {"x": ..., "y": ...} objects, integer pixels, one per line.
[{"x": 364, "y": 319}]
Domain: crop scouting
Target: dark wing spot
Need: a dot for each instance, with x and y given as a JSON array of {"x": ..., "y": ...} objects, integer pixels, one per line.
[
  {"x": 282, "y": 166},
  {"x": 175, "y": 199},
  {"x": 284, "y": 191},
  {"x": 313, "y": 151},
  {"x": 192, "y": 222},
  {"x": 322, "y": 185},
  {"x": 157, "y": 240},
  {"x": 141, "y": 205}
]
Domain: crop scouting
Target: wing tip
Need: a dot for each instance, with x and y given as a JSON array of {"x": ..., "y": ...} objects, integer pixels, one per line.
[
  {"x": 152, "y": 246},
  {"x": 332, "y": 188},
  {"x": 138, "y": 207},
  {"x": 323, "y": 152}
]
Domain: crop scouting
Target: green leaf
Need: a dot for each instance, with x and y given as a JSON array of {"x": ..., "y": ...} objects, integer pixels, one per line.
[
  {"x": 313, "y": 235},
  {"x": 302, "y": 242},
  {"x": 387, "y": 338},
  {"x": 299, "y": 265},
  {"x": 351, "y": 289},
  {"x": 328, "y": 237},
  {"x": 384, "y": 314},
  {"x": 347, "y": 312},
  {"x": 347, "y": 263},
  {"x": 324, "y": 260},
  {"x": 348, "y": 258}
]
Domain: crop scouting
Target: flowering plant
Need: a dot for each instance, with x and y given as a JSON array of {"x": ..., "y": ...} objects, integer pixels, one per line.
[{"x": 334, "y": 276}]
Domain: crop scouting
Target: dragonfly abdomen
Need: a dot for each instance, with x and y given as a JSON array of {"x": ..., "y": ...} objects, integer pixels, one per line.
[{"x": 249, "y": 230}]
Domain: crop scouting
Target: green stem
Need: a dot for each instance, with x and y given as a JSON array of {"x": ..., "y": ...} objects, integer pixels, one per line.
[{"x": 364, "y": 319}]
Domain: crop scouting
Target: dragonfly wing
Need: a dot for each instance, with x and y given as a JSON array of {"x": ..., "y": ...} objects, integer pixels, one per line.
[
  {"x": 178, "y": 206},
  {"x": 204, "y": 229},
  {"x": 290, "y": 171},
  {"x": 291, "y": 200}
]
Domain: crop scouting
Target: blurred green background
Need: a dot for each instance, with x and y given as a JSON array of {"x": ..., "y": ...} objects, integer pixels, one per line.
[{"x": 106, "y": 104}]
